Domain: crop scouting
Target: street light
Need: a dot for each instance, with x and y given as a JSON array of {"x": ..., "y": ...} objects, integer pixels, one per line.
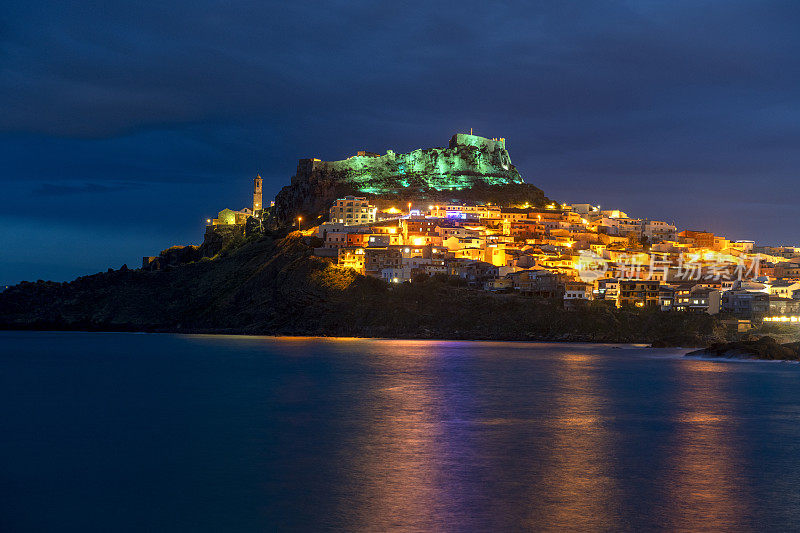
[
  {"x": 299, "y": 219},
  {"x": 409, "y": 208}
]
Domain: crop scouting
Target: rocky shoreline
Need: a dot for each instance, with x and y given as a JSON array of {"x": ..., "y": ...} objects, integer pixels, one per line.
[{"x": 765, "y": 348}]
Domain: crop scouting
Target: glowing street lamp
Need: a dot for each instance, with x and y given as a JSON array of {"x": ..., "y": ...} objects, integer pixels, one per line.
[
  {"x": 409, "y": 208},
  {"x": 299, "y": 219}
]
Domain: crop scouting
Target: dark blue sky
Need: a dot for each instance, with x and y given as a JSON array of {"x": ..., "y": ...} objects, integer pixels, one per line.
[{"x": 124, "y": 126}]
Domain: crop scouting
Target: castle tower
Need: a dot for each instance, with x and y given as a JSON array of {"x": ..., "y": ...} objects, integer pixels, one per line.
[{"x": 257, "y": 194}]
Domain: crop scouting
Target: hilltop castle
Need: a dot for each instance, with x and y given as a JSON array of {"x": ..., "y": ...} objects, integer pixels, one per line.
[
  {"x": 470, "y": 168},
  {"x": 468, "y": 160}
]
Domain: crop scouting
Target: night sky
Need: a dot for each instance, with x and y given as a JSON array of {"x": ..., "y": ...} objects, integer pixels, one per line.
[{"x": 122, "y": 128}]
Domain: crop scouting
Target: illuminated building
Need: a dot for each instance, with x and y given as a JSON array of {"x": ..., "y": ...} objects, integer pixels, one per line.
[
  {"x": 464, "y": 211},
  {"x": 638, "y": 293},
  {"x": 336, "y": 239},
  {"x": 396, "y": 274},
  {"x": 376, "y": 259},
  {"x": 352, "y": 210},
  {"x": 381, "y": 240},
  {"x": 577, "y": 290},
  {"x": 788, "y": 269},
  {"x": 782, "y": 306},
  {"x": 513, "y": 214},
  {"x": 746, "y": 304},
  {"x": 704, "y": 300},
  {"x": 458, "y": 232},
  {"x": 229, "y": 217},
  {"x": 498, "y": 284},
  {"x": 475, "y": 254},
  {"x": 608, "y": 289},
  {"x": 584, "y": 209},
  {"x": 698, "y": 239},
  {"x": 538, "y": 283},
  {"x": 358, "y": 239},
  {"x": 784, "y": 288},
  {"x": 384, "y": 239},
  {"x": 743, "y": 246},
  {"x": 666, "y": 298},
  {"x": 471, "y": 270},
  {"x": 418, "y": 224},
  {"x": 495, "y": 254},
  {"x": 657, "y": 230},
  {"x": 351, "y": 257}
]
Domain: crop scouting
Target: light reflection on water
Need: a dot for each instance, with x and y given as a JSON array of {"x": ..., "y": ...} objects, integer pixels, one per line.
[
  {"x": 705, "y": 468},
  {"x": 575, "y": 490},
  {"x": 250, "y": 433},
  {"x": 397, "y": 464}
]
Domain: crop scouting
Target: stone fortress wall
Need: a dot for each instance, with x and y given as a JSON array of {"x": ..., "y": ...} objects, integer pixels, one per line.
[{"x": 467, "y": 160}]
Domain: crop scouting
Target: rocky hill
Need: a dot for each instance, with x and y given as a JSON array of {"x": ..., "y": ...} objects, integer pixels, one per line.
[
  {"x": 470, "y": 169},
  {"x": 274, "y": 285}
]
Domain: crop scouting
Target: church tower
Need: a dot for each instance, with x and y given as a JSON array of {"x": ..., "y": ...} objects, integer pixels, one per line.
[{"x": 258, "y": 204}]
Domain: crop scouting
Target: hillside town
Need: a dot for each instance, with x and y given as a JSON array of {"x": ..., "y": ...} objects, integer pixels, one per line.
[{"x": 571, "y": 253}]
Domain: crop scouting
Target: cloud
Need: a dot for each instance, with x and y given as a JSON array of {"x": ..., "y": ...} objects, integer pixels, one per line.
[
  {"x": 73, "y": 69},
  {"x": 693, "y": 98},
  {"x": 58, "y": 189}
]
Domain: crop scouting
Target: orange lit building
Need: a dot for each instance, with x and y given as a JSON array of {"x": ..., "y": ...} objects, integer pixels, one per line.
[
  {"x": 699, "y": 239},
  {"x": 638, "y": 293}
]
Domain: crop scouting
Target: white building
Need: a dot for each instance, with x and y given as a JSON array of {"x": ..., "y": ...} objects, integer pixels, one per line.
[
  {"x": 658, "y": 230},
  {"x": 743, "y": 246},
  {"x": 577, "y": 290},
  {"x": 352, "y": 210},
  {"x": 396, "y": 274},
  {"x": 784, "y": 289}
]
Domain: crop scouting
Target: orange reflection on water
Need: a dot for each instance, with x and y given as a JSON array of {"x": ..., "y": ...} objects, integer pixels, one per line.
[
  {"x": 575, "y": 492},
  {"x": 398, "y": 461},
  {"x": 702, "y": 478}
]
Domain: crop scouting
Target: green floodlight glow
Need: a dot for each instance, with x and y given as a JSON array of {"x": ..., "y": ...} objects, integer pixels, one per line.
[
  {"x": 371, "y": 190},
  {"x": 469, "y": 160}
]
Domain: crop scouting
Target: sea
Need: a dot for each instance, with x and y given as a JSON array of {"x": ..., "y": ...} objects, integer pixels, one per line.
[{"x": 117, "y": 432}]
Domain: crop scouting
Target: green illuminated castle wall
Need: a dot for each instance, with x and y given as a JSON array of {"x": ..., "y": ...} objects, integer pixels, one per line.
[
  {"x": 470, "y": 169},
  {"x": 469, "y": 159}
]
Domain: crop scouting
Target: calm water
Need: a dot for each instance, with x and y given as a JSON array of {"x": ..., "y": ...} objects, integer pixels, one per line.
[{"x": 124, "y": 432}]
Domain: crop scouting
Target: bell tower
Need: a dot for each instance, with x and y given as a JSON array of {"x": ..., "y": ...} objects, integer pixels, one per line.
[{"x": 258, "y": 204}]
